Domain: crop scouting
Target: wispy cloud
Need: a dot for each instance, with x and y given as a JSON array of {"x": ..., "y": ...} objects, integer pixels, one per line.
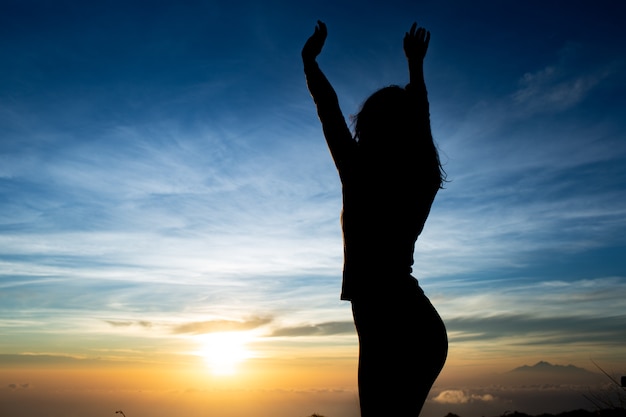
[
  {"x": 145, "y": 324},
  {"x": 540, "y": 330},
  {"x": 546, "y": 90},
  {"x": 14, "y": 386},
  {"x": 565, "y": 84},
  {"x": 321, "y": 329},
  {"x": 461, "y": 397},
  {"x": 212, "y": 326}
]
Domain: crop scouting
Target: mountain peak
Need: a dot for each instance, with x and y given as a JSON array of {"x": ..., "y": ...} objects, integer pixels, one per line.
[{"x": 543, "y": 366}]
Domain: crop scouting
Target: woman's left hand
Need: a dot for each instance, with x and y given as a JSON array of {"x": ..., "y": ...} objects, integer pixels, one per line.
[{"x": 416, "y": 42}]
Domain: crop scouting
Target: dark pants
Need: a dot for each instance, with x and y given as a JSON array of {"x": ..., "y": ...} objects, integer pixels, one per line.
[{"x": 402, "y": 348}]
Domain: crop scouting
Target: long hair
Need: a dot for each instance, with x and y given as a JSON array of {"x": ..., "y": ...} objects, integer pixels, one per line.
[{"x": 389, "y": 130}]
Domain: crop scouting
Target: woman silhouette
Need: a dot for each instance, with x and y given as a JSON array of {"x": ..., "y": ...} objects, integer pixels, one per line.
[{"x": 390, "y": 173}]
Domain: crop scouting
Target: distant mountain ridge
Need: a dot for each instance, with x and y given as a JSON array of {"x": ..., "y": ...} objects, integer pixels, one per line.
[{"x": 543, "y": 366}]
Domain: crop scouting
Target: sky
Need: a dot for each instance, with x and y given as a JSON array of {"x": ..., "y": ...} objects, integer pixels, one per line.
[{"x": 169, "y": 211}]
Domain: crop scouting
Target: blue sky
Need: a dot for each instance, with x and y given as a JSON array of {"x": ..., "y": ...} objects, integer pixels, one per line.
[{"x": 163, "y": 173}]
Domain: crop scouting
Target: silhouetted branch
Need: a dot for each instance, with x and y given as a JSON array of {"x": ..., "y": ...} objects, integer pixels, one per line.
[{"x": 613, "y": 397}]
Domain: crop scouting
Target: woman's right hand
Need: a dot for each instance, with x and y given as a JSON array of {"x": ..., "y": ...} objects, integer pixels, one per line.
[{"x": 313, "y": 46}]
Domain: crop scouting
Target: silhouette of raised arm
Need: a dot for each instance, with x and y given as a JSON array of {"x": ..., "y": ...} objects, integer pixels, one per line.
[
  {"x": 416, "y": 42},
  {"x": 415, "y": 47},
  {"x": 336, "y": 131}
]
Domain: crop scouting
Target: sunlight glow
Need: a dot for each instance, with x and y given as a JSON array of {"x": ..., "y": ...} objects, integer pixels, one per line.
[{"x": 224, "y": 351}]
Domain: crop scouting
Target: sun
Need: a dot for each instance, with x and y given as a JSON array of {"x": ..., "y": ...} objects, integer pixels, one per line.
[{"x": 222, "y": 352}]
